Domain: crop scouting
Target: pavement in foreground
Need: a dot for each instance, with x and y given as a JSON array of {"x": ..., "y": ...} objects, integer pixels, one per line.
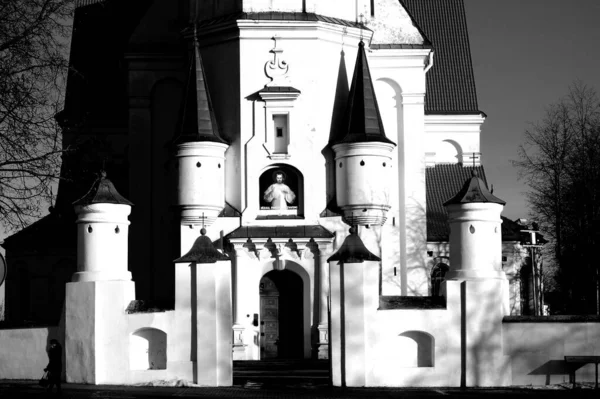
[{"x": 30, "y": 389}]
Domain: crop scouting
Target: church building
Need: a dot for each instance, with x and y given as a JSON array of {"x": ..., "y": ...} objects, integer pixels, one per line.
[{"x": 268, "y": 179}]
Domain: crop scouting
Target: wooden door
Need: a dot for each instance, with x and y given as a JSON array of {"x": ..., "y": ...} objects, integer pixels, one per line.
[{"x": 269, "y": 326}]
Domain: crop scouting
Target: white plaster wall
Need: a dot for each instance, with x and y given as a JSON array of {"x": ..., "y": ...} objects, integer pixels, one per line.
[
  {"x": 313, "y": 55},
  {"x": 23, "y": 352},
  {"x": 391, "y": 365},
  {"x": 537, "y": 350},
  {"x": 452, "y": 138},
  {"x": 400, "y": 91}
]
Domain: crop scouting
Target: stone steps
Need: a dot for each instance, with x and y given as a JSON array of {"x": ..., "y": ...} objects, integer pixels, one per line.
[{"x": 281, "y": 372}]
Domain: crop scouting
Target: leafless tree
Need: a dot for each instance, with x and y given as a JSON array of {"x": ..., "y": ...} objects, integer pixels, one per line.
[
  {"x": 560, "y": 162},
  {"x": 34, "y": 39}
]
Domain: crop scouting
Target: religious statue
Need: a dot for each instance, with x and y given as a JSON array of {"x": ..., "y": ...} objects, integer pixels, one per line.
[{"x": 279, "y": 194}]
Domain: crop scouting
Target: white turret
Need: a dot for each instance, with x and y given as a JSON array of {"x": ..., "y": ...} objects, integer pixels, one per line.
[
  {"x": 475, "y": 232},
  {"x": 102, "y": 230},
  {"x": 363, "y": 156},
  {"x": 200, "y": 152}
]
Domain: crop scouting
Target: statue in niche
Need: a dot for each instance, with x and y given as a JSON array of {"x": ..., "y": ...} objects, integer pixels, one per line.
[{"x": 279, "y": 195}]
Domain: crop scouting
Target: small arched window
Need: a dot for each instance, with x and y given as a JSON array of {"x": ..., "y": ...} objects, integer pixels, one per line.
[{"x": 438, "y": 274}]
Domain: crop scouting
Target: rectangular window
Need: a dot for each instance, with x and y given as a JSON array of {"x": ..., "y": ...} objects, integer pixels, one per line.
[{"x": 280, "y": 129}]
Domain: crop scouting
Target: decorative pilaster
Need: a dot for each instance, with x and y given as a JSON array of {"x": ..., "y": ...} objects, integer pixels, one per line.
[
  {"x": 325, "y": 250},
  {"x": 239, "y": 348}
]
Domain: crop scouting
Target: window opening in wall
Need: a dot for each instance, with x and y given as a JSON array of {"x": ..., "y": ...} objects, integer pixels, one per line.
[
  {"x": 280, "y": 125},
  {"x": 438, "y": 274}
]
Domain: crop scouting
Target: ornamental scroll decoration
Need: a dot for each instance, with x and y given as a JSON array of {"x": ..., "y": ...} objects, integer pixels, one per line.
[{"x": 277, "y": 68}]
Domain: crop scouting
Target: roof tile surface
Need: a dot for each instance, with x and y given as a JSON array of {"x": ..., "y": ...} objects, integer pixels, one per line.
[{"x": 450, "y": 82}]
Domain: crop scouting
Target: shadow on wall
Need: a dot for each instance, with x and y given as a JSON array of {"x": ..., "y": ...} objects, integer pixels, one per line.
[
  {"x": 417, "y": 272},
  {"x": 553, "y": 367}
]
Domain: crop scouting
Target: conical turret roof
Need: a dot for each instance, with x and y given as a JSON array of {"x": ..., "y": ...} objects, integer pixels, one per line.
[
  {"x": 203, "y": 251},
  {"x": 474, "y": 190},
  {"x": 103, "y": 191},
  {"x": 363, "y": 121},
  {"x": 353, "y": 250},
  {"x": 197, "y": 119}
]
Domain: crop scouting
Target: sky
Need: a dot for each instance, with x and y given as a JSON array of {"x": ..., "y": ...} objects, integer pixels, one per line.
[{"x": 526, "y": 54}]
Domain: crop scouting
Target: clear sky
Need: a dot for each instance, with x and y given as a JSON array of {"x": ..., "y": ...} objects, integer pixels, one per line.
[{"x": 525, "y": 55}]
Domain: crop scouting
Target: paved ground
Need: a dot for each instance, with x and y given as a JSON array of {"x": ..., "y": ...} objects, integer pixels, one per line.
[{"x": 29, "y": 389}]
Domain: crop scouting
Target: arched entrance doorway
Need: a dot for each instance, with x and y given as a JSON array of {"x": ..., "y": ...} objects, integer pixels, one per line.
[{"x": 281, "y": 310}]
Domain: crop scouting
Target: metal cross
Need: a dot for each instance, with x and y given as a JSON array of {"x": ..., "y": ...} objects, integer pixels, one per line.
[{"x": 474, "y": 157}]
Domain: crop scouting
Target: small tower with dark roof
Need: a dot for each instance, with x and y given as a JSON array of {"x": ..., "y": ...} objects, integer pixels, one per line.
[
  {"x": 363, "y": 156},
  {"x": 101, "y": 289},
  {"x": 476, "y": 287},
  {"x": 203, "y": 297},
  {"x": 200, "y": 151},
  {"x": 475, "y": 232},
  {"x": 354, "y": 291},
  {"x": 102, "y": 231}
]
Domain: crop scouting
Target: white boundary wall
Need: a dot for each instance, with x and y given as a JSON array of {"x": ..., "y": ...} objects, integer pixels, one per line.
[{"x": 23, "y": 352}]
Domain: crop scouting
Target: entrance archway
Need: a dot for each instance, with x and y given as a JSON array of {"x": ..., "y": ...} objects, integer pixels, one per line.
[{"x": 282, "y": 315}]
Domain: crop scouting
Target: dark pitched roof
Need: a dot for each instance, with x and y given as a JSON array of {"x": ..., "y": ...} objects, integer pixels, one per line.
[
  {"x": 474, "y": 190},
  {"x": 450, "y": 82},
  {"x": 55, "y": 232},
  {"x": 197, "y": 120},
  {"x": 283, "y": 16},
  {"x": 353, "y": 250},
  {"x": 363, "y": 120},
  {"x": 102, "y": 191},
  {"x": 442, "y": 183},
  {"x": 203, "y": 251}
]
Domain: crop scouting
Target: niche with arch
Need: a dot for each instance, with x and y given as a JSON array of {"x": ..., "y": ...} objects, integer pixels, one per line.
[
  {"x": 281, "y": 193},
  {"x": 417, "y": 348},
  {"x": 148, "y": 349}
]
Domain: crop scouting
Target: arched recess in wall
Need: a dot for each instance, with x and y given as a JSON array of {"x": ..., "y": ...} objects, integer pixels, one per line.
[
  {"x": 418, "y": 348},
  {"x": 148, "y": 349},
  {"x": 389, "y": 101},
  {"x": 281, "y": 192},
  {"x": 438, "y": 274},
  {"x": 449, "y": 151}
]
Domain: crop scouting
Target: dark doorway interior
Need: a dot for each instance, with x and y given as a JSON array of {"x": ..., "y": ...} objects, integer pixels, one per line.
[{"x": 282, "y": 332}]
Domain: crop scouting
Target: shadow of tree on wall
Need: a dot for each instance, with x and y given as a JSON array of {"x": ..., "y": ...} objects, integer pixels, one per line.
[{"x": 418, "y": 270}]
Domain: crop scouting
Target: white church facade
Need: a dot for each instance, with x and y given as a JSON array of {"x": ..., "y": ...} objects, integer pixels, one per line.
[{"x": 303, "y": 180}]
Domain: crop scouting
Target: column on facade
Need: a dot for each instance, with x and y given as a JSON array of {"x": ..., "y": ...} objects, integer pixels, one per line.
[
  {"x": 239, "y": 348},
  {"x": 412, "y": 191},
  {"x": 325, "y": 249}
]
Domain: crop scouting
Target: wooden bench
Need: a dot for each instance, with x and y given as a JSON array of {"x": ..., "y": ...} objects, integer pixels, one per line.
[{"x": 581, "y": 360}]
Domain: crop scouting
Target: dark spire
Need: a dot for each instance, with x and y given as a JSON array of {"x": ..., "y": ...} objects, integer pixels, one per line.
[
  {"x": 353, "y": 250},
  {"x": 203, "y": 251},
  {"x": 103, "y": 191},
  {"x": 197, "y": 119},
  {"x": 363, "y": 120},
  {"x": 474, "y": 190}
]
